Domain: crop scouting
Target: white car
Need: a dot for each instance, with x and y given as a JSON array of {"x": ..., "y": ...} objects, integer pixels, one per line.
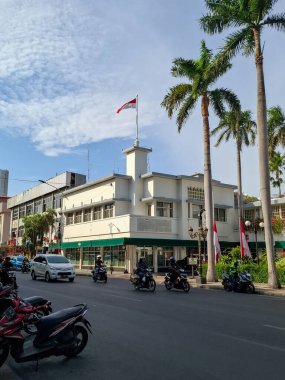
[{"x": 52, "y": 267}]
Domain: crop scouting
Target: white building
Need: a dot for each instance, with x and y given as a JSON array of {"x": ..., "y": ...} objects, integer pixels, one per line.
[{"x": 124, "y": 217}]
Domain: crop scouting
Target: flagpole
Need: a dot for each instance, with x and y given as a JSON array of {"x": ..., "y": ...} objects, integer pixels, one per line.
[{"x": 137, "y": 121}]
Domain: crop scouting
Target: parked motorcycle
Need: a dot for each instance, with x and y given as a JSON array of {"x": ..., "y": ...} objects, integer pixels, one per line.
[
  {"x": 8, "y": 277},
  {"x": 146, "y": 282},
  {"x": 241, "y": 283},
  {"x": 101, "y": 275},
  {"x": 180, "y": 283},
  {"x": 33, "y": 307},
  {"x": 61, "y": 333}
]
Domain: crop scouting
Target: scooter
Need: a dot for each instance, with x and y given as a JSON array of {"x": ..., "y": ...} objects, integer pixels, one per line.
[
  {"x": 61, "y": 333},
  {"x": 181, "y": 282},
  {"x": 241, "y": 283},
  {"x": 32, "y": 307},
  {"x": 146, "y": 282},
  {"x": 101, "y": 275},
  {"x": 25, "y": 267}
]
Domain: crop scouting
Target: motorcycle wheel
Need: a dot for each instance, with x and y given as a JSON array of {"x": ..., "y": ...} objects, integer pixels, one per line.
[
  {"x": 152, "y": 285},
  {"x": 168, "y": 285},
  {"x": 105, "y": 279},
  {"x": 4, "y": 352},
  {"x": 186, "y": 286},
  {"x": 95, "y": 279},
  {"x": 227, "y": 286},
  {"x": 250, "y": 289},
  {"x": 80, "y": 338}
]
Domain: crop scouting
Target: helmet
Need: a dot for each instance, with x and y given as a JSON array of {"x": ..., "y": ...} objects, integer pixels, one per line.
[
  {"x": 172, "y": 259},
  {"x": 99, "y": 257}
]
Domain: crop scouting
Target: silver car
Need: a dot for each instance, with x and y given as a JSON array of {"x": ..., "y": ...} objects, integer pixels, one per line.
[{"x": 52, "y": 267}]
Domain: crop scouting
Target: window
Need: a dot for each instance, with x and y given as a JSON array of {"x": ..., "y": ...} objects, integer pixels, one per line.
[
  {"x": 78, "y": 217},
  {"x": 196, "y": 211},
  {"x": 22, "y": 211},
  {"x": 275, "y": 212},
  {"x": 149, "y": 210},
  {"x": 29, "y": 209},
  {"x": 38, "y": 206},
  {"x": 87, "y": 215},
  {"x": 196, "y": 193},
  {"x": 57, "y": 201},
  {"x": 108, "y": 211},
  {"x": 47, "y": 203},
  {"x": 220, "y": 215},
  {"x": 69, "y": 218},
  {"x": 283, "y": 211},
  {"x": 21, "y": 231},
  {"x": 164, "y": 209},
  {"x": 249, "y": 214},
  {"x": 15, "y": 213},
  {"x": 97, "y": 213},
  {"x": 14, "y": 233}
]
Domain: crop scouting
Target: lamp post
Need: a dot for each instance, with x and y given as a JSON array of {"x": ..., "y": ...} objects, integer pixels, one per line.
[
  {"x": 200, "y": 234},
  {"x": 255, "y": 226},
  {"x": 59, "y": 234}
]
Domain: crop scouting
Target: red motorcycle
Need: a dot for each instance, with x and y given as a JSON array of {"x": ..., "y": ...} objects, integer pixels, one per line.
[
  {"x": 33, "y": 308},
  {"x": 61, "y": 333}
]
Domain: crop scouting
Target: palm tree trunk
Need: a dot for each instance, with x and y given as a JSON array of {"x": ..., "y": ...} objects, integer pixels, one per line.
[
  {"x": 239, "y": 183},
  {"x": 211, "y": 273},
  {"x": 263, "y": 163}
]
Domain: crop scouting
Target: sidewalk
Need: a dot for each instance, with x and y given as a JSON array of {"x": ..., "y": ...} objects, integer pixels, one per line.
[{"x": 260, "y": 288}]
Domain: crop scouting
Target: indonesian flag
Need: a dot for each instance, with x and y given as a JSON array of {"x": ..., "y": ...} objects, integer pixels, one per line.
[
  {"x": 243, "y": 242},
  {"x": 130, "y": 104},
  {"x": 216, "y": 243}
]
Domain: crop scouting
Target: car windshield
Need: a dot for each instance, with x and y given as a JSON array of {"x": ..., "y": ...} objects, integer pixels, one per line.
[{"x": 57, "y": 260}]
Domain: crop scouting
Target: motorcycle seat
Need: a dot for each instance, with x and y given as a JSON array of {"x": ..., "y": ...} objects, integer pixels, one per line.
[
  {"x": 35, "y": 300},
  {"x": 48, "y": 322}
]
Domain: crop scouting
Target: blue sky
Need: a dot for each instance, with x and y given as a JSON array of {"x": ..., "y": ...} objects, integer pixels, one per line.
[{"x": 67, "y": 66}]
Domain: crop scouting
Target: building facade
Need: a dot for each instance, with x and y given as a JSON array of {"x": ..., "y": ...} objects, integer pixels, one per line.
[
  {"x": 4, "y": 178},
  {"x": 5, "y": 217}
]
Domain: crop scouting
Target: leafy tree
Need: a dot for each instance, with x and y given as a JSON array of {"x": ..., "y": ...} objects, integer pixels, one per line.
[
  {"x": 200, "y": 74},
  {"x": 276, "y": 128},
  {"x": 250, "y": 17},
  {"x": 240, "y": 127},
  {"x": 36, "y": 226},
  {"x": 276, "y": 167},
  {"x": 249, "y": 198}
]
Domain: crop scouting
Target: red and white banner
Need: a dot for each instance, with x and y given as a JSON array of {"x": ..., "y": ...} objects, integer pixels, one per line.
[
  {"x": 216, "y": 243},
  {"x": 130, "y": 104},
  {"x": 244, "y": 249}
]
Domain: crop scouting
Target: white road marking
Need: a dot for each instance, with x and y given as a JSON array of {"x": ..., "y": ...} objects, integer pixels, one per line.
[{"x": 275, "y": 327}]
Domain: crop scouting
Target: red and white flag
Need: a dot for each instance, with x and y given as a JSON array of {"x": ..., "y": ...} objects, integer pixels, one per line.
[
  {"x": 216, "y": 243},
  {"x": 243, "y": 242},
  {"x": 130, "y": 104}
]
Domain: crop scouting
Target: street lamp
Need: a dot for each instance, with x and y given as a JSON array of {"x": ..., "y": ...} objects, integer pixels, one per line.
[
  {"x": 255, "y": 226},
  {"x": 59, "y": 234},
  {"x": 200, "y": 234}
]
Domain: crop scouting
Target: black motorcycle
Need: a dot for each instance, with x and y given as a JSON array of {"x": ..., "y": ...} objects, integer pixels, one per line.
[
  {"x": 145, "y": 282},
  {"x": 61, "y": 333},
  {"x": 25, "y": 268},
  {"x": 240, "y": 283},
  {"x": 100, "y": 274},
  {"x": 180, "y": 283}
]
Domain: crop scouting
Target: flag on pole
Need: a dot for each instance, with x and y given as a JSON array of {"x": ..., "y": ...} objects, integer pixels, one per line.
[
  {"x": 243, "y": 242},
  {"x": 130, "y": 104},
  {"x": 216, "y": 243}
]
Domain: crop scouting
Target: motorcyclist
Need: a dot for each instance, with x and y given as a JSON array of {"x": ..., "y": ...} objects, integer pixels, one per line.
[
  {"x": 141, "y": 268},
  {"x": 98, "y": 264},
  {"x": 5, "y": 278},
  {"x": 234, "y": 271},
  {"x": 25, "y": 263},
  {"x": 173, "y": 269},
  {"x": 7, "y": 265}
]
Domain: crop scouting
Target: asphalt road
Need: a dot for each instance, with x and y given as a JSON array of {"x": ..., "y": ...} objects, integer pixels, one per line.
[{"x": 204, "y": 334}]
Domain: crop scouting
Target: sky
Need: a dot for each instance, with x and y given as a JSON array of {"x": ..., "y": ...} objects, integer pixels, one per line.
[{"x": 67, "y": 66}]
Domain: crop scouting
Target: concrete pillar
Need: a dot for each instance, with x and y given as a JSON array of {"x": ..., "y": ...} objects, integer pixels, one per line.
[
  {"x": 80, "y": 257},
  {"x": 155, "y": 259}
]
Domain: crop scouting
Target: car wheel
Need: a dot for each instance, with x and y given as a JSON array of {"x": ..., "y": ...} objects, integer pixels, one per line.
[
  {"x": 47, "y": 277},
  {"x": 34, "y": 277},
  {"x": 71, "y": 279}
]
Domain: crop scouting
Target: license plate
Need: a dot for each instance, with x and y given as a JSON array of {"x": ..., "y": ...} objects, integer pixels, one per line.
[{"x": 63, "y": 276}]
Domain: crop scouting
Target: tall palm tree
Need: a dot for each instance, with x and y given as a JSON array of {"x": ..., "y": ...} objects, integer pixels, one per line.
[
  {"x": 240, "y": 127},
  {"x": 250, "y": 17},
  {"x": 276, "y": 167},
  {"x": 200, "y": 75},
  {"x": 276, "y": 128}
]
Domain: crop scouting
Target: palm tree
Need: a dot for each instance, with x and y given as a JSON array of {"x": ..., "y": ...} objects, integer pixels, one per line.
[
  {"x": 276, "y": 128},
  {"x": 251, "y": 17},
  {"x": 276, "y": 166},
  {"x": 240, "y": 127},
  {"x": 200, "y": 75}
]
